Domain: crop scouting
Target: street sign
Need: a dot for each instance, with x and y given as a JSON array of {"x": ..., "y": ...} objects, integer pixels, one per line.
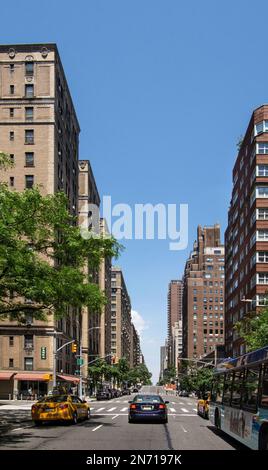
[
  {"x": 43, "y": 352},
  {"x": 80, "y": 361}
]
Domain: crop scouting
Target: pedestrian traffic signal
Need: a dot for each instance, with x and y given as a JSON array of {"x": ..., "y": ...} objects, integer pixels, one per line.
[
  {"x": 114, "y": 360},
  {"x": 74, "y": 348}
]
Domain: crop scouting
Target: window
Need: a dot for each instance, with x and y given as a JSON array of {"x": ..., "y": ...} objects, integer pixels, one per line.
[
  {"x": 262, "y": 147},
  {"x": 29, "y": 136},
  {"x": 29, "y": 113},
  {"x": 262, "y": 235},
  {"x": 11, "y": 68},
  {"x": 11, "y": 341},
  {"x": 29, "y": 69},
  {"x": 11, "y": 181},
  {"x": 11, "y": 112},
  {"x": 28, "y": 342},
  {"x": 237, "y": 389},
  {"x": 262, "y": 256},
  {"x": 250, "y": 390},
  {"x": 262, "y": 170},
  {"x": 12, "y": 89},
  {"x": 11, "y": 362},
  {"x": 262, "y": 278},
  {"x": 11, "y": 155},
  {"x": 262, "y": 214},
  {"x": 28, "y": 363},
  {"x": 29, "y": 159},
  {"x": 262, "y": 191},
  {"x": 227, "y": 389},
  {"x": 11, "y": 136},
  {"x": 29, "y": 181},
  {"x": 29, "y": 91},
  {"x": 264, "y": 395}
]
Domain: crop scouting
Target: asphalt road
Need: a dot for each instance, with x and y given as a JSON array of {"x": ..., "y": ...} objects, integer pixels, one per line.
[{"x": 109, "y": 429}]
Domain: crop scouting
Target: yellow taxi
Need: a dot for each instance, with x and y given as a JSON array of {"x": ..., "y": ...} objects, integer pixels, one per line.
[
  {"x": 69, "y": 408},
  {"x": 203, "y": 405}
]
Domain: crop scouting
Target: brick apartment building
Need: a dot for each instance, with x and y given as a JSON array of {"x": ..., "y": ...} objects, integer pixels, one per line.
[
  {"x": 203, "y": 294},
  {"x": 246, "y": 237},
  {"x": 40, "y": 130},
  {"x": 174, "y": 315}
]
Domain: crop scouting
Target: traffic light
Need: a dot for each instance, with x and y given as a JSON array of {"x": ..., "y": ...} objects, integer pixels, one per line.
[
  {"x": 74, "y": 347},
  {"x": 43, "y": 352},
  {"x": 114, "y": 360}
]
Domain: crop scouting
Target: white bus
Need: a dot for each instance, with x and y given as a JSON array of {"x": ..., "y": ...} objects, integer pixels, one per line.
[{"x": 239, "y": 398}]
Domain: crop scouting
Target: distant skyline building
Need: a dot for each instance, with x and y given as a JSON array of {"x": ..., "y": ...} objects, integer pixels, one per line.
[
  {"x": 174, "y": 316},
  {"x": 246, "y": 237},
  {"x": 203, "y": 294}
]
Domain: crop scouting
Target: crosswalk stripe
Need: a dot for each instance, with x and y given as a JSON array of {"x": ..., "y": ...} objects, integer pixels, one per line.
[
  {"x": 100, "y": 409},
  {"x": 112, "y": 409},
  {"x": 173, "y": 410},
  {"x": 124, "y": 409},
  {"x": 184, "y": 410}
]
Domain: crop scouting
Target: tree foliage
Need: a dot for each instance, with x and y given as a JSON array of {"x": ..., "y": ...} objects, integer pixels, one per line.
[
  {"x": 42, "y": 255},
  {"x": 254, "y": 329}
]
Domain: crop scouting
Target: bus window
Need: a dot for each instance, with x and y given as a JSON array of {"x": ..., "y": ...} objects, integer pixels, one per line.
[
  {"x": 264, "y": 395},
  {"x": 237, "y": 389},
  {"x": 227, "y": 388},
  {"x": 250, "y": 391},
  {"x": 217, "y": 388}
]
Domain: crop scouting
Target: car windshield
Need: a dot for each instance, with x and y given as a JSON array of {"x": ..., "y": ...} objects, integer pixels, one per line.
[
  {"x": 55, "y": 399},
  {"x": 148, "y": 399}
]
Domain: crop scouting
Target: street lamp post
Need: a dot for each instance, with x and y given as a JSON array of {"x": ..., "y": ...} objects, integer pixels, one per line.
[{"x": 55, "y": 352}]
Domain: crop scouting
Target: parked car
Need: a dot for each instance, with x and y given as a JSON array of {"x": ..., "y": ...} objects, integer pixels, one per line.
[
  {"x": 126, "y": 391},
  {"x": 115, "y": 393},
  {"x": 203, "y": 405},
  {"x": 60, "y": 408},
  {"x": 148, "y": 407},
  {"x": 104, "y": 394},
  {"x": 135, "y": 390},
  {"x": 183, "y": 393}
]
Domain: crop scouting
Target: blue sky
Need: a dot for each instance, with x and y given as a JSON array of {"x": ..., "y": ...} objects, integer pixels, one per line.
[{"x": 163, "y": 90}]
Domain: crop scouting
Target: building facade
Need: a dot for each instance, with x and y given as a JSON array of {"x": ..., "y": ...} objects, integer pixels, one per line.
[
  {"x": 135, "y": 350},
  {"x": 90, "y": 334},
  {"x": 40, "y": 131},
  {"x": 174, "y": 316},
  {"x": 163, "y": 360},
  {"x": 203, "y": 294},
  {"x": 120, "y": 316},
  {"x": 246, "y": 237}
]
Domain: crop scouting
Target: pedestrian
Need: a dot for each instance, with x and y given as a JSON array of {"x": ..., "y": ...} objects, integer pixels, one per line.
[{"x": 30, "y": 393}]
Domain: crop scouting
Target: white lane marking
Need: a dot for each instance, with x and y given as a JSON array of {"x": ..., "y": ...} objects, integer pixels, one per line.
[
  {"x": 126, "y": 414},
  {"x": 112, "y": 409},
  {"x": 173, "y": 410},
  {"x": 98, "y": 427},
  {"x": 194, "y": 409},
  {"x": 184, "y": 410},
  {"x": 115, "y": 416},
  {"x": 100, "y": 409},
  {"x": 92, "y": 408},
  {"x": 189, "y": 403},
  {"x": 184, "y": 430},
  {"x": 17, "y": 429},
  {"x": 124, "y": 409},
  {"x": 181, "y": 403}
]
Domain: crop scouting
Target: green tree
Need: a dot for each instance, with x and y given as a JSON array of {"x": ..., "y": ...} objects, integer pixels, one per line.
[
  {"x": 254, "y": 329},
  {"x": 42, "y": 255}
]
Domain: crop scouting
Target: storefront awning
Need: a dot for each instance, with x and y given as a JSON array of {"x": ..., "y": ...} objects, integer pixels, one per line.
[
  {"x": 68, "y": 378},
  {"x": 6, "y": 375},
  {"x": 31, "y": 377}
]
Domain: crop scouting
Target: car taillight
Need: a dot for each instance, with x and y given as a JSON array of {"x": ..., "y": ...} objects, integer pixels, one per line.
[
  {"x": 162, "y": 407},
  {"x": 34, "y": 408},
  {"x": 132, "y": 407},
  {"x": 63, "y": 407}
]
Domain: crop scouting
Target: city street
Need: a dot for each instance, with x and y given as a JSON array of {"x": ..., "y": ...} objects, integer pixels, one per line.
[{"x": 109, "y": 429}]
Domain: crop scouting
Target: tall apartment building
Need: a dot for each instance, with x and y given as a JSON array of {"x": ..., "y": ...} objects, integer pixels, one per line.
[
  {"x": 105, "y": 281},
  {"x": 163, "y": 360},
  {"x": 90, "y": 334},
  {"x": 40, "y": 130},
  {"x": 134, "y": 347},
  {"x": 120, "y": 316},
  {"x": 203, "y": 294},
  {"x": 174, "y": 315},
  {"x": 246, "y": 237}
]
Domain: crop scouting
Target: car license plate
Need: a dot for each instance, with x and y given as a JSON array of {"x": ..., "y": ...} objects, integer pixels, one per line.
[{"x": 147, "y": 408}]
